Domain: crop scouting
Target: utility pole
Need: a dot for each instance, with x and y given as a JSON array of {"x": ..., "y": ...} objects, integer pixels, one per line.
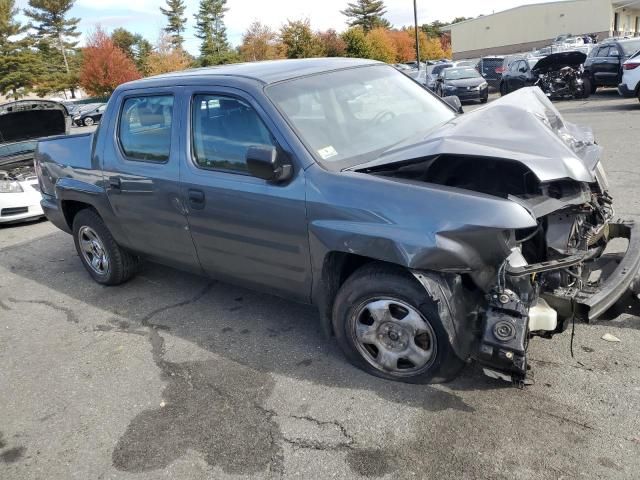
[{"x": 415, "y": 21}]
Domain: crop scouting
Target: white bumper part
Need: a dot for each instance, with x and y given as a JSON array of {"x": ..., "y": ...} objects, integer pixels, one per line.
[{"x": 25, "y": 205}]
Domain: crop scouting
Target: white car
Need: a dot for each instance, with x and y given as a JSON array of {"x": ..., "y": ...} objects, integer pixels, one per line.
[
  {"x": 22, "y": 123},
  {"x": 630, "y": 86}
]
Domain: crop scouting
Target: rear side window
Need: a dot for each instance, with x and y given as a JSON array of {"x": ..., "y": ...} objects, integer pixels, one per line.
[
  {"x": 223, "y": 128},
  {"x": 145, "y": 128}
]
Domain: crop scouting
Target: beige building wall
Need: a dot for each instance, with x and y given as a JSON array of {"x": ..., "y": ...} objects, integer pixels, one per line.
[{"x": 534, "y": 26}]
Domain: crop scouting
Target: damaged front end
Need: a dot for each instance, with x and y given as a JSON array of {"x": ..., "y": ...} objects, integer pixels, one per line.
[{"x": 577, "y": 260}]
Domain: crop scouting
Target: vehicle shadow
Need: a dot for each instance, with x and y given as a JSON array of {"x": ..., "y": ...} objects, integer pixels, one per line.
[{"x": 258, "y": 331}]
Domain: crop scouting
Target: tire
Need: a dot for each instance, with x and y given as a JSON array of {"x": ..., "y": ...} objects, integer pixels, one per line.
[
  {"x": 503, "y": 89},
  {"x": 484, "y": 100},
  {"x": 589, "y": 87},
  {"x": 88, "y": 122},
  {"x": 104, "y": 259},
  {"x": 411, "y": 326}
]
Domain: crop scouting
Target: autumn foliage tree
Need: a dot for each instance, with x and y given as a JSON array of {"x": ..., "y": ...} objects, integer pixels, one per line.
[
  {"x": 167, "y": 58},
  {"x": 104, "y": 66}
]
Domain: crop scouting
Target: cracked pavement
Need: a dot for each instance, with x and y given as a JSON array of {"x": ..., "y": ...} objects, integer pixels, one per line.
[{"x": 175, "y": 376}]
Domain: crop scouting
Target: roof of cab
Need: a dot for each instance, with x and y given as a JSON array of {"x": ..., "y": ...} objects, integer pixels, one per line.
[{"x": 270, "y": 71}]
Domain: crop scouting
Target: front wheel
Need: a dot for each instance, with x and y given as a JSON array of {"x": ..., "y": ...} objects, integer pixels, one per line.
[
  {"x": 387, "y": 325},
  {"x": 88, "y": 122},
  {"x": 503, "y": 89},
  {"x": 104, "y": 259}
]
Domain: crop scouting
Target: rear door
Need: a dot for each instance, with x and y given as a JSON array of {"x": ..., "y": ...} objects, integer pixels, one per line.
[
  {"x": 141, "y": 173},
  {"x": 246, "y": 230},
  {"x": 606, "y": 65}
]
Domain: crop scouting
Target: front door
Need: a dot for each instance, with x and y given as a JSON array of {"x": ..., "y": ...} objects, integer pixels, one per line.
[
  {"x": 245, "y": 229},
  {"x": 141, "y": 169}
]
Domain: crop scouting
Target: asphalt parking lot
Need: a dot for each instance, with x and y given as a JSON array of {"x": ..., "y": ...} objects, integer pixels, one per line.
[{"x": 175, "y": 376}]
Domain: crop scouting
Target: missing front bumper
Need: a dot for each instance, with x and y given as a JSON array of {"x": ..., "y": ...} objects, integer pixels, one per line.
[{"x": 592, "y": 303}]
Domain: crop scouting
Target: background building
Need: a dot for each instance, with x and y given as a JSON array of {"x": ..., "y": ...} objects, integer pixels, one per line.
[{"x": 535, "y": 26}]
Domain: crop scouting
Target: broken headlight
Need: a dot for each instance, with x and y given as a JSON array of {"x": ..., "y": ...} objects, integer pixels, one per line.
[{"x": 9, "y": 186}]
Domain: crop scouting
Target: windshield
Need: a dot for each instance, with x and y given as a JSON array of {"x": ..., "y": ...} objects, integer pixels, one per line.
[
  {"x": 438, "y": 68},
  {"x": 630, "y": 47},
  {"x": 460, "y": 73},
  {"x": 348, "y": 117}
]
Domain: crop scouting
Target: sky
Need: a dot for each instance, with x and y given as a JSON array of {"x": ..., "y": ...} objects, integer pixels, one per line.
[{"x": 144, "y": 16}]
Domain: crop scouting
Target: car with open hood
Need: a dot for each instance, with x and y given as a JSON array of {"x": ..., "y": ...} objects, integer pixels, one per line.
[
  {"x": 559, "y": 75},
  {"x": 22, "y": 123},
  {"x": 425, "y": 238}
]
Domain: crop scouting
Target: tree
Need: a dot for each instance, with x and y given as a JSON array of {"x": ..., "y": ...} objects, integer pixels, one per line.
[
  {"x": 356, "y": 42},
  {"x": 167, "y": 58},
  {"x": 368, "y": 14},
  {"x": 460, "y": 19},
  {"x": 19, "y": 64},
  {"x": 125, "y": 41},
  {"x": 381, "y": 45},
  {"x": 174, "y": 12},
  {"x": 299, "y": 41},
  {"x": 332, "y": 43},
  {"x": 210, "y": 28},
  {"x": 404, "y": 44},
  {"x": 259, "y": 42},
  {"x": 104, "y": 65},
  {"x": 433, "y": 29},
  {"x": 134, "y": 45},
  {"x": 53, "y": 24}
]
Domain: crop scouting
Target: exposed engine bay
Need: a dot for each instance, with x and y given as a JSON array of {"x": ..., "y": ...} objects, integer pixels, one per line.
[
  {"x": 19, "y": 172},
  {"x": 560, "y": 75},
  {"x": 553, "y": 270}
]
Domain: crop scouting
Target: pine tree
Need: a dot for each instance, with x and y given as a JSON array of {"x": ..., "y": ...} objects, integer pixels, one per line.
[
  {"x": 211, "y": 30},
  {"x": 52, "y": 25},
  {"x": 174, "y": 12},
  {"x": 368, "y": 14},
  {"x": 19, "y": 63}
]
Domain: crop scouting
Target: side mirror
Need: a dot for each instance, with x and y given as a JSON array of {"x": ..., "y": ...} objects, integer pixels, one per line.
[
  {"x": 454, "y": 102},
  {"x": 268, "y": 163}
]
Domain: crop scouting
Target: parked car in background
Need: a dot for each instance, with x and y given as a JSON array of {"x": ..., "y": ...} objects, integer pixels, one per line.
[
  {"x": 433, "y": 72},
  {"x": 403, "y": 67},
  {"x": 90, "y": 115},
  {"x": 518, "y": 75},
  {"x": 419, "y": 76},
  {"x": 22, "y": 123},
  {"x": 603, "y": 67},
  {"x": 463, "y": 82},
  {"x": 491, "y": 69},
  {"x": 630, "y": 85},
  {"x": 467, "y": 63}
]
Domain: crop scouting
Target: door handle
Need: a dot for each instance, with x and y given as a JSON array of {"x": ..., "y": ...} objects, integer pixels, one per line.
[
  {"x": 196, "y": 199},
  {"x": 115, "y": 183}
]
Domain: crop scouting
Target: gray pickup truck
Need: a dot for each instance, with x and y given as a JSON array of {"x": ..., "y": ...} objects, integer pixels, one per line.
[{"x": 425, "y": 238}]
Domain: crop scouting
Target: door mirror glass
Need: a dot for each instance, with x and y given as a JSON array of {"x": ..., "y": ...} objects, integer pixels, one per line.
[
  {"x": 454, "y": 102},
  {"x": 268, "y": 163}
]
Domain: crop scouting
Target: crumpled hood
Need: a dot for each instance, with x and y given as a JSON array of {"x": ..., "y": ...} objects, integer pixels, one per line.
[
  {"x": 523, "y": 126},
  {"x": 24, "y": 121}
]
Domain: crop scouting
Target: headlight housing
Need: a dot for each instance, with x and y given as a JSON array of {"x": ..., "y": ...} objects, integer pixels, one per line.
[
  {"x": 10, "y": 186},
  {"x": 483, "y": 85}
]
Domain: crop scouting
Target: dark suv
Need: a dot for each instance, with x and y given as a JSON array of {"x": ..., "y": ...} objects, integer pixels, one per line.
[{"x": 603, "y": 67}]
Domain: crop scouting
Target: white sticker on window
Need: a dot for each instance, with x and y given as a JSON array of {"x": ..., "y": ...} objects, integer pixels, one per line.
[{"x": 327, "y": 152}]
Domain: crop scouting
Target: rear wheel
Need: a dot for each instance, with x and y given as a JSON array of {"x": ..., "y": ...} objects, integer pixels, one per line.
[
  {"x": 588, "y": 87},
  {"x": 387, "y": 325},
  {"x": 104, "y": 259}
]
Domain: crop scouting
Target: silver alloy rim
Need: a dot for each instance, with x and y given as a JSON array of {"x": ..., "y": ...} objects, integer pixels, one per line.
[
  {"x": 88, "y": 121},
  {"x": 393, "y": 337},
  {"x": 93, "y": 251}
]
